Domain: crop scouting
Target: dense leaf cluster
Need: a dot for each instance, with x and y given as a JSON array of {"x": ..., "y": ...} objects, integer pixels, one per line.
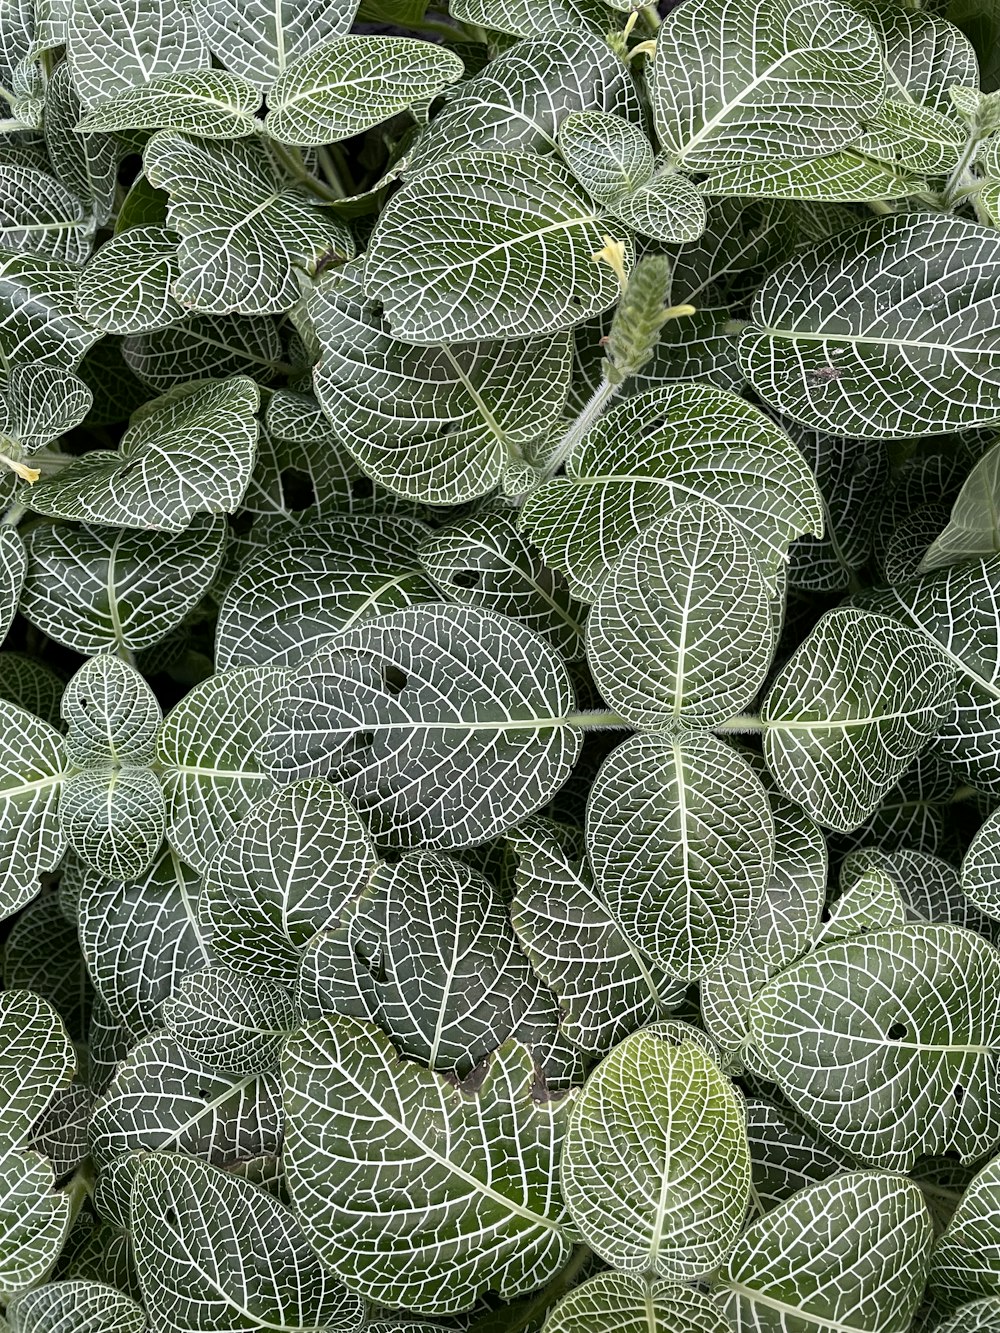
[{"x": 500, "y": 686}]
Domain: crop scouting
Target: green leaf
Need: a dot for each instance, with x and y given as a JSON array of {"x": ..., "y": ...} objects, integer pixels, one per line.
[
  {"x": 202, "y": 347},
  {"x": 658, "y": 1193},
  {"x": 75, "y": 1307},
  {"x": 966, "y": 1260},
  {"x": 40, "y": 216},
  {"x": 849, "y": 1253},
  {"x": 302, "y": 589},
  {"x": 140, "y": 938},
  {"x": 184, "y": 455},
  {"x": 41, "y": 402},
  {"x": 126, "y": 287},
  {"x": 33, "y": 766},
  {"x": 246, "y": 235},
  {"x": 604, "y": 985},
  {"x": 42, "y": 954},
  {"x": 115, "y": 45},
  {"x": 87, "y": 164},
  {"x": 216, "y": 1252},
  {"x": 349, "y": 84},
  {"x": 609, "y": 156},
  {"x": 438, "y": 424},
  {"x": 482, "y": 560},
  {"x": 838, "y": 178},
  {"x": 886, "y": 1043},
  {"x": 267, "y": 891},
  {"x": 95, "y": 589},
  {"x": 258, "y": 38},
  {"x": 668, "y": 208},
  {"x": 447, "y": 253},
  {"x": 111, "y": 714},
  {"x": 787, "y": 1155},
  {"x": 114, "y": 821},
  {"x": 428, "y": 954},
  {"x": 31, "y": 685},
  {"x": 681, "y": 634},
  {"x": 416, "y": 698},
  {"x": 39, "y": 321},
  {"x": 981, "y": 868},
  {"x": 681, "y": 840},
  {"x": 662, "y": 448},
  {"x": 13, "y": 569},
  {"x": 976, "y": 1317},
  {"x": 207, "y": 102},
  {"x": 230, "y": 1021},
  {"x": 917, "y": 356},
  {"x": 482, "y": 1209},
  {"x": 208, "y": 751},
  {"x": 860, "y": 698},
  {"x": 973, "y": 531},
  {"x": 735, "y": 81},
  {"x": 931, "y": 887},
  {"x": 530, "y": 18},
  {"x": 628, "y": 1304}
]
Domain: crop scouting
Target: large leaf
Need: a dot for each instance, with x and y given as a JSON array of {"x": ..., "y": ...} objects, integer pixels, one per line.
[
  {"x": 206, "y": 102},
  {"x": 86, "y": 163},
  {"x": 33, "y": 767},
  {"x": 348, "y": 84},
  {"x": 39, "y": 319},
  {"x": 481, "y": 1210},
  {"x": 113, "y": 45},
  {"x": 441, "y": 423},
  {"x": 260, "y": 38},
  {"x": 682, "y": 632},
  {"x": 605, "y": 987},
  {"x": 75, "y": 1306},
  {"x": 883, "y": 331},
  {"x": 845, "y": 717},
  {"x": 653, "y": 1190},
  {"x": 294, "y": 597},
  {"x": 207, "y": 748},
  {"x": 95, "y": 589},
  {"x": 847, "y": 1254},
  {"x": 449, "y": 253},
  {"x": 981, "y": 867},
  {"x": 429, "y": 955},
  {"x": 213, "y": 1251},
  {"x": 886, "y": 1042},
  {"x": 660, "y": 449},
  {"x": 736, "y": 81},
  {"x": 246, "y": 233},
  {"x": 445, "y": 725},
  {"x": 681, "y": 839},
  {"x": 966, "y": 1260},
  {"x": 39, "y": 215},
  {"x": 185, "y": 455},
  {"x": 629, "y": 1304},
  {"x": 268, "y": 891}
]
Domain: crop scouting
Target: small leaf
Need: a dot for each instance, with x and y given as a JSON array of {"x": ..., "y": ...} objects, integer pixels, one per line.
[
  {"x": 669, "y": 208},
  {"x": 349, "y": 84},
  {"x": 40, "y": 216},
  {"x": 229, "y": 1020},
  {"x": 483, "y": 1209},
  {"x": 39, "y": 320},
  {"x": 42, "y": 954},
  {"x": 115, "y": 45},
  {"x": 609, "y": 156},
  {"x": 973, "y": 531},
  {"x": 632, "y": 1305},
  {"x": 111, "y": 714},
  {"x": 114, "y": 822},
  {"x": 204, "y": 346},
  {"x": 13, "y": 569},
  {"x": 663, "y": 1194},
  {"x": 208, "y": 102},
  {"x": 126, "y": 287}
]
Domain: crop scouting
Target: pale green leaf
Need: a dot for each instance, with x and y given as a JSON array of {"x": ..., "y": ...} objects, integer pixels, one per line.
[
  {"x": 849, "y": 1253},
  {"x": 39, "y": 215},
  {"x": 966, "y": 1260},
  {"x": 211, "y": 772},
  {"x": 656, "y": 1191},
  {"x": 126, "y": 287},
  {"x": 13, "y": 569},
  {"x": 115, "y": 45},
  {"x": 230, "y": 1020},
  {"x": 39, "y": 320},
  {"x": 185, "y": 455},
  {"x": 216, "y": 1252},
  {"x": 94, "y": 589},
  {"x": 913, "y": 352},
  {"x": 33, "y": 766},
  {"x": 208, "y": 102},
  {"x": 668, "y": 208},
  {"x": 482, "y": 1209},
  {"x": 663, "y": 448},
  {"x": 78, "y": 1306},
  {"x": 886, "y": 1043},
  {"x": 444, "y": 725},
  {"x": 140, "y": 938},
  {"x": 681, "y": 634},
  {"x": 247, "y": 236},
  {"x": 681, "y": 840},
  {"x": 428, "y": 954},
  {"x": 860, "y": 698},
  {"x": 973, "y": 531},
  {"x": 482, "y": 245},
  {"x": 268, "y": 891},
  {"x": 258, "y": 38},
  {"x": 294, "y": 597},
  {"x": 437, "y": 424},
  {"x": 114, "y": 821},
  {"x": 838, "y": 178},
  {"x": 627, "y": 1304},
  {"x": 349, "y": 84},
  {"x": 609, "y": 156},
  {"x": 926, "y": 56},
  {"x": 111, "y": 714},
  {"x": 914, "y": 138},
  {"x": 735, "y": 81}
]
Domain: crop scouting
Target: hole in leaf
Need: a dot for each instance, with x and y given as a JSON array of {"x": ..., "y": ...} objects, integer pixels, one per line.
[
  {"x": 467, "y": 578},
  {"x": 958, "y": 1092},
  {"x": 170, "y": 1217},
  {"x": 297, "y": 489},
  {"x": 362, "y": 488},
  {"x": 393, "y": 680},
  {"x": 897, "y": 1032},
  {"x": 203, "y": 1093}
]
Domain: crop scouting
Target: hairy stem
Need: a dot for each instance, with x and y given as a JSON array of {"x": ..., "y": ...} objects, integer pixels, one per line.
[
  {"x": 744, "y": 725},
  {"x": 601, "y": 720},
  {"x": 592, "y": 409}
]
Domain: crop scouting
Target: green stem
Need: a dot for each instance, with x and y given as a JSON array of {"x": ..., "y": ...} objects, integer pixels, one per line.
[
  {"x": 14, "y": 514},
  {"x": 331, "y": 172},
  {"x": 877, "y": 206},
  {"x": 79, "y": 1189},
  {"x": 961, "y": 177},
  {"x": 593, "y": 408},
  {"x": 291, "y": 160},
  {"x": 744, "y": 725},
  {"x": 601, "y": 720}
]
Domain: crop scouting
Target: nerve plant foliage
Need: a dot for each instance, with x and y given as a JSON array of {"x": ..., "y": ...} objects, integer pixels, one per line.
[{"x": 500, "y": 706}]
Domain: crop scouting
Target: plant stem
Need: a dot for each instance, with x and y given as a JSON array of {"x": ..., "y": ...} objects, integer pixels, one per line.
[
  {"x": 602, "y": 720},
  {"x": 291, "y": 159},
  {"x": 961, "y": 178},
  {"x": 592, "y": 409},
  {"x": 744, "y": 725},
  {"x": 14, "y": 514},
  {"x": 331, "y": 172}
]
